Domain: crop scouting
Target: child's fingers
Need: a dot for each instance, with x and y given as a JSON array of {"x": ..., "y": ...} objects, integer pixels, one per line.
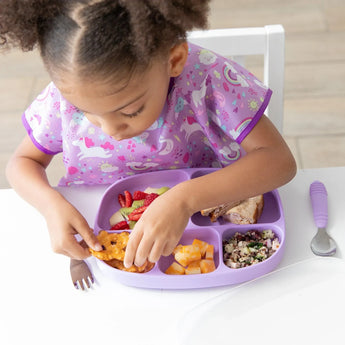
[
  {"x": 143, "y": 251},
  {"x": 89, "y": 237},
  {"x": 168, "y": 249},
  {"x": 91, "y": 240},
  {"x": 83, "y": 244},
  {"x": 83, "y": 254},
  {"x": 77, "y": 252},
  {"x": 131, "y": 249},
  {"x": 156, "y": 252},
  {"x": 73, "y": 249}
]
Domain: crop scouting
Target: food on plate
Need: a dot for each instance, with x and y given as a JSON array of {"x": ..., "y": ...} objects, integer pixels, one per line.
[
  {"x": 193, "y": 268},
  {"x": 113, "y": 253},
  {"x": 250, "y": 248},
  {"x": 117, "y": 217},
  {"x": 194, "y": 258},
  {"x": 247, "y": 212},
  {"x": 132, "y": 206},
  {"x": 242, "y": 212},
  {"x": 209, "y": 252},
  {"x": 175, "y": 268},
  {"x": 158, "y": 191},
  {"x": 135, "y": 269},
  {"x": 188, "y": 254},
  {"x": 207, "y": 266},
  {"x": 215, "y": 212},
  {"x": 113, "y": 244}
]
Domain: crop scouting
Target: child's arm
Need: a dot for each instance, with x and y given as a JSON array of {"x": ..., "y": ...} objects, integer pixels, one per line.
[
  {"x": 26, "y": 173},
  {"x": 267, "y": 165}
]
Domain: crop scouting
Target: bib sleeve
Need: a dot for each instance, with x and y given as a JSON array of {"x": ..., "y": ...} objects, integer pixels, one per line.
[
  {"x": 42, "y": 121},
  {"x": 236, "y": 100}
]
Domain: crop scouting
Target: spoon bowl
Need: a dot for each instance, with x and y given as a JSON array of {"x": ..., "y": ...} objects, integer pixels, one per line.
[{"x": 322, "y": 244}]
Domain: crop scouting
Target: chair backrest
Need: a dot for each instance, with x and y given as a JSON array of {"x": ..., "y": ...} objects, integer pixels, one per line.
[{"x": 268, "y": 41}]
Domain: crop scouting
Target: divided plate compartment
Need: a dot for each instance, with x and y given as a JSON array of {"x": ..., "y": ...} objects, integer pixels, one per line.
[{"x": 199, "y": 227}]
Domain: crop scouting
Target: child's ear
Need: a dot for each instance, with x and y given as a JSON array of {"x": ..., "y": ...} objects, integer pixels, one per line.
[{"x": 177, "y": 59}]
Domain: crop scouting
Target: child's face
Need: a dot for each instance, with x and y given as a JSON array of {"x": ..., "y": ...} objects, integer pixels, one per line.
[{"x": 121, "y": 110}]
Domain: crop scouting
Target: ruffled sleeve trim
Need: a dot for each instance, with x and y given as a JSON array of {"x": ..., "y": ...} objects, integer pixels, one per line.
[
  {"x": 35, "y": 142},
  {"x": 256, "y": 118}
]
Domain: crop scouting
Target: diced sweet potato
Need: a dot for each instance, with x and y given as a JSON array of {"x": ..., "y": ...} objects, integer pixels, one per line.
[
  {"x": 201, "y": 244},
  {"x": 194, "y": 258},
  {"x": 175, "y": 268},
  {"x": 209, "y": 252},
  {"x": 193, "y": 268},
  {"x": 187, "y": 254},
  {"x": 207, "y": 266},
  {"x": 178, "y": 249}
]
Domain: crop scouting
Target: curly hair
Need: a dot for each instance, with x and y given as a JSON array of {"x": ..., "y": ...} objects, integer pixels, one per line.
[{"x": 99, "y": 37}]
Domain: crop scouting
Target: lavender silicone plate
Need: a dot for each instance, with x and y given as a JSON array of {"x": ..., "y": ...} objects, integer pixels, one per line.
[{"x": 198, "y": 227}]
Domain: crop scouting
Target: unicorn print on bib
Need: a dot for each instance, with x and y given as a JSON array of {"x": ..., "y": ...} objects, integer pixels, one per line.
[{"x": 87, "y": 150}]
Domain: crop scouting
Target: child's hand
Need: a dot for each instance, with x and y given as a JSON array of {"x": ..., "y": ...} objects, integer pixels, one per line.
[
  {"x": 26, "y": 173},
  {"x": 64, "y": 221},
  {"x": 159, "y": 229}
]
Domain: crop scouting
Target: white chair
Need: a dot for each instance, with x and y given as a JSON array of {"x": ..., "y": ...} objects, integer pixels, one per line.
[{"x": 268, "y": 41}]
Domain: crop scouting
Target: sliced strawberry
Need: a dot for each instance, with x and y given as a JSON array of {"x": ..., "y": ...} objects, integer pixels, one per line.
[
  {"x": 139, "y": 195},
  {"x": 139, "y": 210},
  {"x": 134, "y": 217},
  {"x": 128, "y": 198},
  {"x": 122, "y": 200},
  {"x": 123, "y": 225},
  {"x": 150, "y": 198},
  {"x": 136, "y": 214}
]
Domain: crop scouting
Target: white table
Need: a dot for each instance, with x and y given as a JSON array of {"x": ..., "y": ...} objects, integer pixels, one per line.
[{"x": 39, "y": 305}]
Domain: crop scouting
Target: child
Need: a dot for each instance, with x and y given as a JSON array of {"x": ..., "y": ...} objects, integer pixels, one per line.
[{"x": 130, "y": 95}]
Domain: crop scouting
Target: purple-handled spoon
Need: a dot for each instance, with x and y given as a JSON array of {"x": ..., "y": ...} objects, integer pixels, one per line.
[{"x": 321, "y": 244}]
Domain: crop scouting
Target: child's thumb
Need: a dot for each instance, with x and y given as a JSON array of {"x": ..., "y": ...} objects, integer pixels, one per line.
[{"x": 91, "y": 240}]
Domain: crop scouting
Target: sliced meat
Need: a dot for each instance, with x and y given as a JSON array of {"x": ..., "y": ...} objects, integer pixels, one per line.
[
  {"x": 218, "y": 211},
  {"x": 247, "y": 212}
]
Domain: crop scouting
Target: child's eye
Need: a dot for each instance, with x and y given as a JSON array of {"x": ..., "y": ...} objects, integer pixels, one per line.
[{"x": 135, "y": 113}]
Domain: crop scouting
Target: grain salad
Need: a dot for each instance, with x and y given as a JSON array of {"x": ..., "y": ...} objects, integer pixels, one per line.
[{"x": 250, "y": 248}]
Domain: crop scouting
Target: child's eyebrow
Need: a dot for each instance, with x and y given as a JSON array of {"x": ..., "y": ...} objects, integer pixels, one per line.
[{"x": 125, "y": 105}]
